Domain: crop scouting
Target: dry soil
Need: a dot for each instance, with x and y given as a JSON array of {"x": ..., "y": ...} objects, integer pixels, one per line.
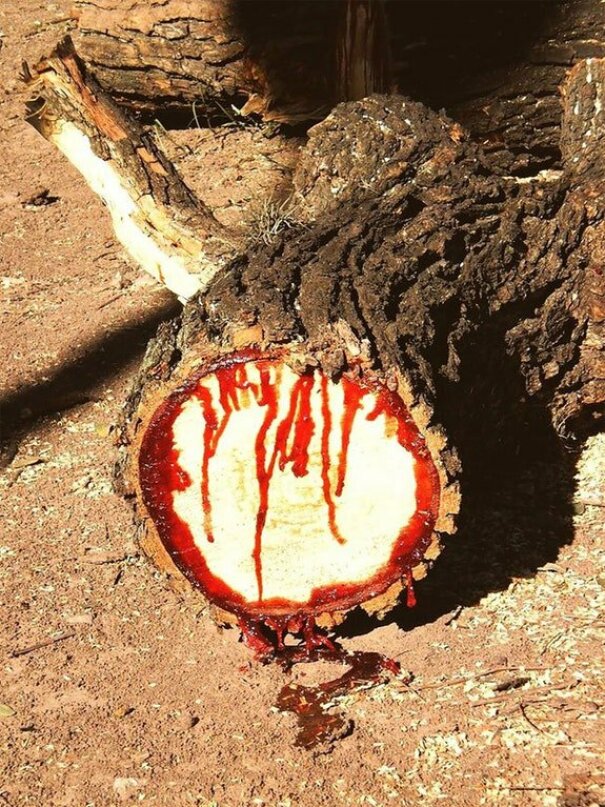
[{"x": 114, "y": 689}]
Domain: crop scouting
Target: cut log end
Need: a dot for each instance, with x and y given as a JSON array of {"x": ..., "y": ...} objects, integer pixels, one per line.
[{"x": 280, "y": 492}]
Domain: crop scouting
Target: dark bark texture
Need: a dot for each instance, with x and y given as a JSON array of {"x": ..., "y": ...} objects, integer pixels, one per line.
[
  {"x": 430, "y": 253},
  {"x": 495, "y": 67},
  {"x": 485, "y": 292}
]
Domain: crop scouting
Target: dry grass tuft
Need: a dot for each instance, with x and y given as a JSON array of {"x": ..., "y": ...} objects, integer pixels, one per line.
[{"x": 271, "y": 217}]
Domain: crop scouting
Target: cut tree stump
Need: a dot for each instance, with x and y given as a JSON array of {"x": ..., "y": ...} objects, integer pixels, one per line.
[{"x": 287, "y": 444}]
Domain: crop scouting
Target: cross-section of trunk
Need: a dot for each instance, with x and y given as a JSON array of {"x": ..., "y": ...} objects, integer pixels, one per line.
[{"x": 278, "y": 490}]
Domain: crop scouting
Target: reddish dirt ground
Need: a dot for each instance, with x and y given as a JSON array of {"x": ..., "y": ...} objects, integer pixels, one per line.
[{"x": 116, "y": 689}]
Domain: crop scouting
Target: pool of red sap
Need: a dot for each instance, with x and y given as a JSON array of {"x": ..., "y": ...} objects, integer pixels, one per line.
[{"x": 161, "y": 475}]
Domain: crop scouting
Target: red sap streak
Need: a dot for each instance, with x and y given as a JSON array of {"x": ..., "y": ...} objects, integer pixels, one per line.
[
  {"x": 410, "y": 594},
  {"x": 325, "y": 460},
  {"x": 263, "y": 473},
  {"x": 230, "y": 381},
  {"x": 161, "y": 475},
  {"x": 314, "y": 642},
  {"x": 353, "y": 395},
  {"x": 227, "y": 394},
  {"x": 299, "y": 454},
  {"x": 210, "y": 426},
  {"x": 285, "y": 427},
  {"x": 304, "y": 429},
  {"x": 300, "y": 402}
]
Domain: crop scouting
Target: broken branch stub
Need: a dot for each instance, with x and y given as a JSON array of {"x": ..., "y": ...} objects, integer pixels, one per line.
[{"x": 164, "y": 228}]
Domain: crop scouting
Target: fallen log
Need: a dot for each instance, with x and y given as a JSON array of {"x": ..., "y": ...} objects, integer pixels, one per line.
[
  {"x": 284, "y": 61},
  {"x": 495, "y": 67},
  {"x": 288, "y": 443}
]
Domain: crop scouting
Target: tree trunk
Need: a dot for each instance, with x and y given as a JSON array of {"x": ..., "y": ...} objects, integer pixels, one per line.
[
  {"x": 495, "y": 67},
  {"x": 213, "y": 58},
  {"x": 292, "y": 439}
]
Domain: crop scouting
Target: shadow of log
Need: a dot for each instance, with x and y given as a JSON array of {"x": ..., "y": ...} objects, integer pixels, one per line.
[
  {"x": 518, "y": 487},
  {"x": 75, "y": 382}
]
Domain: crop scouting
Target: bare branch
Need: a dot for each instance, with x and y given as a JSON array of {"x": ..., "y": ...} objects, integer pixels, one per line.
[{"x": 162, "y": 225}]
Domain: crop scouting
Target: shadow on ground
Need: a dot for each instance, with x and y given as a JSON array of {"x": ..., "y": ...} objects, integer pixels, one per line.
[
  {"x": 518, "y": 486},
  {"x": 77, "y": 381}
]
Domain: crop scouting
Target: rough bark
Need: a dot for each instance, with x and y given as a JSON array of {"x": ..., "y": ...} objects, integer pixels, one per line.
[
  {"x": 494, "y": 67},
  {"x": 277, "y": 59}
]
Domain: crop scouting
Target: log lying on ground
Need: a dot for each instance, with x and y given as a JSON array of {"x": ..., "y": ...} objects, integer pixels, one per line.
[
  {"x": 379, "y": 299},
  {"x": 495, "y": 67},
  {"x": 287, "y": 441},
  {"x": 275, "y": 58}
]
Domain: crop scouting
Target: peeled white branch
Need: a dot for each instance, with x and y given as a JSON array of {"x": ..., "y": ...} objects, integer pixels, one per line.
[{"x": 164, "y": 228}]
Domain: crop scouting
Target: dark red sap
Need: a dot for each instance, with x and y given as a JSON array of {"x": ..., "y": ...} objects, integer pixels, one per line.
[{"x": 316, "y": 725}]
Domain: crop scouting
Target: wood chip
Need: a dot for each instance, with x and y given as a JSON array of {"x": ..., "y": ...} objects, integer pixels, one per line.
[{"x": 39, "y": 645}]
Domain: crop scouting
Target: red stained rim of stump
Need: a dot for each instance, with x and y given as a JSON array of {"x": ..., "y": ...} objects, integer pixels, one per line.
[{"x": 161, "y": 475}]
